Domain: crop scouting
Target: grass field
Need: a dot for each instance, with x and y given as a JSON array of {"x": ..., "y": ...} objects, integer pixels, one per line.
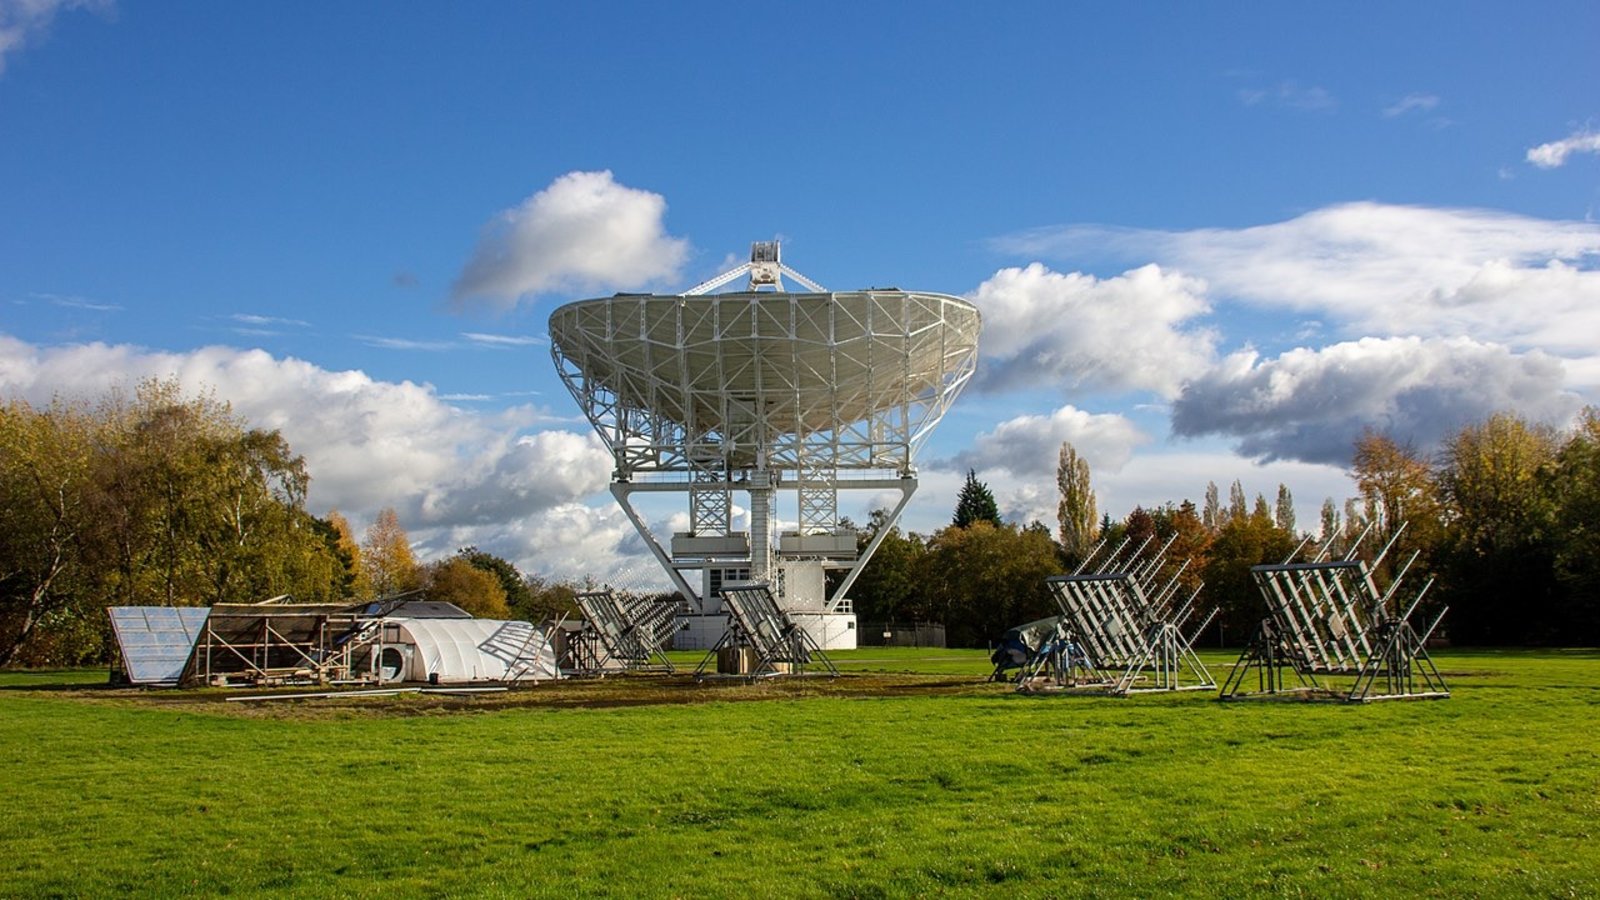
[{"x": 906, "y": 776}]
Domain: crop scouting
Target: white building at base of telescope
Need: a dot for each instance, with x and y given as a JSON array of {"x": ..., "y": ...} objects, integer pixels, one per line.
[{"x": 768, "y": 394}]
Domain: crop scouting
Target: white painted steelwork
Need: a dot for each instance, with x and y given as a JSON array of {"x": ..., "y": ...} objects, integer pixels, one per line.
[{"x": 757, "y": 391}]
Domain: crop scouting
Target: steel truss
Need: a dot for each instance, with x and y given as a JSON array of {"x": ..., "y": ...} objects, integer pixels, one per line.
[
  {"x": 520, "y": 645},
  {"x": 780, "y": 646},
  {"x": 1128, "y": 621},
  {"x": 761, "y": 390},
  {"x": 625, "y": 633},
  {"x": 1330, "y": 619}
]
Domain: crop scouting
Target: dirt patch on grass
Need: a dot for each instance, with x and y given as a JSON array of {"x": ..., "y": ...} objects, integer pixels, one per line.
[{"x": 613, "y": 692}]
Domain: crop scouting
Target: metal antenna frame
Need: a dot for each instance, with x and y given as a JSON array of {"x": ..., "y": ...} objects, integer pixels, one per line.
[
  {"x": 1330, "y": 619},
  {"x": 766, "y": 269},
  {"x": 1126, "y": 627},
  {"x": 756, "y": 621},
  {"x": 624, "y": 633}
]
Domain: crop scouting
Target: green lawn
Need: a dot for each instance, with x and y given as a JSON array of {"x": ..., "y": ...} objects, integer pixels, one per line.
[{"x": 877, "y": 784}]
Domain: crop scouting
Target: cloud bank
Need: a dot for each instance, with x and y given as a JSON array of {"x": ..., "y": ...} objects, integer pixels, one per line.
[
  {"x": 1378, "y": 269},
  {"x": 456, "y": 477},
  {"x": 582, "y": 232},
  {"x": 1028, "y": 446},
  {"x": 1311, "y": 405},
  {"x": 1074, "y": 331}
]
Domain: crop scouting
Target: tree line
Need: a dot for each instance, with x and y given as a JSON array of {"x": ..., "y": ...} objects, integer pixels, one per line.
[
  {"x": 1505, "y": 518},
  {"x": 156, "y": 498}
]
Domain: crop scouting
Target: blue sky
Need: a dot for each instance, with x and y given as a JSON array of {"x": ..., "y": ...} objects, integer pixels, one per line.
[{"x": 1210, "y": 241}]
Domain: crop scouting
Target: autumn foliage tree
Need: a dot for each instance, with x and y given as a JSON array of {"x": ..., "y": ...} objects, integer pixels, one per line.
[
  {"x": 386, "y": 558},
  {"x": 158, "y": 498},
  {"x": 46, "y": 487},
  {"x": 982, "y": 579},
  {"x": 1075, "y": 513},
  {"x": 1499, "y": 560},
  {"x": 476, "y": 590}
]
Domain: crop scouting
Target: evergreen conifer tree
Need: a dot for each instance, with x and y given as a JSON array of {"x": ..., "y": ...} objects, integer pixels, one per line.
[{"x": 976, "y": 503}]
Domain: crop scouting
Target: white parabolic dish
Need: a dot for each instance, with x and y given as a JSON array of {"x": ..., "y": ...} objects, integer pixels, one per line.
[{"x": 864, "y": 374}]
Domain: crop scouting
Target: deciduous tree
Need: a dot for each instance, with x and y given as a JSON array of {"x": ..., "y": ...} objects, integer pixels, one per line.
[
  {"x": 1397, "y": 488},
  {"x": 1499, "y": 566},
  {"x": 1211, "y": 514},
  {"x": 386, "y": 556},
  {"x": 1283, "y": 510},
  {"x": 456, "y": 580},
  {"x": 518, "y": 597},
  {"x": 1076, "y": 510},
  {"x": 45, "y": 471},
  {"x": 1574, "y": 487},
  {"x": 982, "y": 579},
  {"x": 890, "y": 588}
]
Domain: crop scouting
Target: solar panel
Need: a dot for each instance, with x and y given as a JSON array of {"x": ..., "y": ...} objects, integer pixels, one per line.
[
  {"x": 155, "y": 642},
  {"x": 1331, "y": 619},
  {"x": 1124, "y": 620}
]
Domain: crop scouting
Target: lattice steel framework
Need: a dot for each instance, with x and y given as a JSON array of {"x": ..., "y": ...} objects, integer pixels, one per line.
[
  {"x": 1330, "y": 618},
  {"x": 1127, "y": 622},
  {"x": 623, "y": 632},
  {"x": 765, "y": 379},
  {"x": 760, "y": 390},
  {"x": 781, "y": 646},
  {"x": 710, "y": 498}
]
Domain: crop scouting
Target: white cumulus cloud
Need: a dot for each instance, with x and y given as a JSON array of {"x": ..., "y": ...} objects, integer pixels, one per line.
[
  {"x": 1311, "y": 405},
  {"x": 23, "y": 21},
  {"x": 1380, "y": 269},
  {"x": 582, "y": 232},
  {"x": 1029, "y": 445},
  {"x": 1076, "y": 331},
  {"x": 455, "y": 476},
  {"x": 1554, "y": 154}
]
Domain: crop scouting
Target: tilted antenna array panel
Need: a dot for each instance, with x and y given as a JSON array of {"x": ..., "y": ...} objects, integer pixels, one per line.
[
  {"x": 1331, "y": 619},
  {"x": 756, "y": 621},
  {"x": 1127, "y": 626},
  {"x": 622, "y": 638},
  {"x": 604, "y": 631},
  {"x": 654, "y": 622}
]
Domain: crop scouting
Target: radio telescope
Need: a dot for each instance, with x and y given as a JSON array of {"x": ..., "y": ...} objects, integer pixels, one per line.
[{"x": 765, "y": 392}]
